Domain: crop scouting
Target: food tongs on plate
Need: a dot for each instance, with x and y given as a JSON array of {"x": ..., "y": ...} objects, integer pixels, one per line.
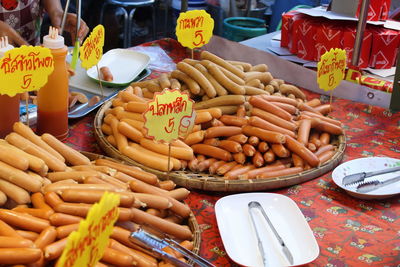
[
  {"x": 366, "y": 187},
  {"x": 156, "y": 245},
  {"x": 356, "y": 178}
]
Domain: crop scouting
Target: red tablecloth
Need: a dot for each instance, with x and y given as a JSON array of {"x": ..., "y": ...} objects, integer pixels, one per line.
[{"x": 349, "y": 231}]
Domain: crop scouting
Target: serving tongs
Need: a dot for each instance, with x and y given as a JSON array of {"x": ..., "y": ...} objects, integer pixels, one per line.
[
  {"x": 156, "y": 245},
  {"x": 75, "y": 53},
  {"x": 366, "y": 187},
  {"x": 360, "y": 176}
]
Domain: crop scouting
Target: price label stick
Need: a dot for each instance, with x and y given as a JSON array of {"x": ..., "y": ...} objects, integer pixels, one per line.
[
  {"x": 27, "y": 110},
  {"x": 101, "y": 84},
  {"x": 192, "y": 53},
  {"x": 169, "y": 158},
  {"x": 331, "y": 69}
]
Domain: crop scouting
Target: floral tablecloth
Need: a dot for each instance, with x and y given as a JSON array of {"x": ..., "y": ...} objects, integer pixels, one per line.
[{"x": 349, "y": 231}]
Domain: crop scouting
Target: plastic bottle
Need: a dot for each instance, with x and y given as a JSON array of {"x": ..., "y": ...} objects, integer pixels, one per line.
[
  {"x": 9, "y": 106},
  {"x": 52, "y": 98}
]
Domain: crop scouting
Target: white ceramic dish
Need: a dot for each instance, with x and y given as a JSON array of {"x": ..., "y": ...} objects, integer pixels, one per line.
[
  {"x": 367, "y": 165},
  {"x": 239, "y": 237},
  {"x": 125, "y": 65}
]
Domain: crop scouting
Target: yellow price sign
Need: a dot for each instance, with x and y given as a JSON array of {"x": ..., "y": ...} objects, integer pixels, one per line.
[
  {"x": 86, "y": 246},
  {"x": 25, "y": 69},
  {"x": 331, "y": 69},
  {"x": 169, "y": 116},
  {"x": 92, "y": 49},
  {"x": 194, "y": 28}
]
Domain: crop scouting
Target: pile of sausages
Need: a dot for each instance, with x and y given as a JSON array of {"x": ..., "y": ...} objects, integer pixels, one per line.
[
  {"x": 278, "y": 136},
  {"x": 47, "y": 188}
]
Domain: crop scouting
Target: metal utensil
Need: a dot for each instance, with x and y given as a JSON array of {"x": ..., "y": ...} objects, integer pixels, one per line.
[
  {"x": 259, "y": 241},
  {"x": 157, "y": 245},
  {"x": 375, "y": 184},
  {"x": 285, "y": 250},
  {"x": 359, "y": 177}
]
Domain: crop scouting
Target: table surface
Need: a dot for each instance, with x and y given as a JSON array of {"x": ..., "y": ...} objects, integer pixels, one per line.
[{"x": 349, "y": 231}]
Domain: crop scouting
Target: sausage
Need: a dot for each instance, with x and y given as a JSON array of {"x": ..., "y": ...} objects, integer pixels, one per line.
[
  {"x": 240, "y": 138},
  {"x": 194, "y": 138},
  {"x": 65, "y": 230},
  {"x": 258, "y": 160},
  {"x": 325, "y": 156},
  {"x": 27, "y": 133},
  {"x": 273, "y": 119},
  {"x": 58, "y": 219},
  {"x": 254, "y": 141},
  {"x": 173, "y": 229},
  {"x": 212, "y": 151},
  {"x": 141, "y": 261},
  {"x": 71, "y": 155},
  {"x": 266, "y": 125},
  {"x": 323, "y": 149},
  {"x": 19, "y": 255},
  {"x": 298, "y": 148},
  {"x": 297, "y": 160},
  {"x": 16, "y": 193},
  {"x": 264, "y": 77},
  {"x": 46, "y": 237},
  {"x": 8, "y": 156},
  {"x": 54, "y": 250},
  {"x": 52, "y": 162},
  {"x": 27, "y": 235},
  {"x": 56, "y": 187},
  {"x": 126, "y": 199},
  {"x": 246, "y": 66},
  {"x": 211, "y": 141},
  {"x": 192, "y": 84},
  {"x": 225, "y": 100},
  {"x": 82, "y": 209},
  {"x": 196, "y": 75},
  {"x": 221, "y": 62},
  {"x": 214, "y": 166},
  {"x": 179, "y": 193},
  {"x": 23, "y": 221},
  {"x": 263, "y": 147},
  {"x": 325, "y": 126},
  {"x": 312, "y": 147},
  {"x": 230, "y": 146},
  {"x": 324, "y": 109},
  {"x": 3, "y": 198},
  {"x": 233, "y": 120},
  {"x": 235, "y": 173},
  {"x": 280, "y": 151},
  {"x": 177, "y": 207},
  {"x": 39, "y": 213},
  {"x": 249, "y": 150},
  {"x": 127, "y": 96},
  {"x": 315, "y": 102},
  {"x": 324, "y": 118},
  {"x": 106, "y": 74},
  {"x": 234, "y": 78},
  {"x": 217, "y": 86},
  {"x": 287, "y": 107},
  {"x": 74, "y": 175},
  {"x": 325, "y": 138},
  {"x": 265, "y": 135},
  {"x": 153, "y": 201},
  {"x": 239, "y": 157},
  {"x": 227, "y": 83},
  {"x": 260, "y": 103},
  {"x": 226, "y": 167},
  {"x": 52, "y": 199},
  {"x": 304, "y": 131},
  {"x": 279, "y": 173},
  {"x": 19, "y": 178},
  {"x": 258, "y": 171},
  {"x": 314, "y": 138},
  {"x": 174, "y": 151},
  {"x": 15, "y": 242},
  {"x": 222, "y": 131}
]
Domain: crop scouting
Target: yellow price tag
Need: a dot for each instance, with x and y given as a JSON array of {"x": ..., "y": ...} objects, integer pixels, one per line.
[
  {"x": 194, "y": 28},
  {"x": 331, "y": 69},
  {"x": 92, "y": 49},
  {"x": 25, "y": 69},
  {"x": 169, "y": 116},
  {"x": 85, "y": 247}
]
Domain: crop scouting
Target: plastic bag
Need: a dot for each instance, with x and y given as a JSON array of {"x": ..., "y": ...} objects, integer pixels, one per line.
[{"x": 159, "y": 60}]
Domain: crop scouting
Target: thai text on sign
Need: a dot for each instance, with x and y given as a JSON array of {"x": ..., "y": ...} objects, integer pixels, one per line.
[
  {"x": 92, "y": 49},
  {"x": 85, "y": 247},
  {"x": 331, "y": 69},
  {"x": 194, "y": 28},
  {"x": 169, "y": 116},
  {"x": 25, "y": 69}
]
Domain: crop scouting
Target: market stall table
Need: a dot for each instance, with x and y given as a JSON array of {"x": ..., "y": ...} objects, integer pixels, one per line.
[{"x": 349, "y": 231}]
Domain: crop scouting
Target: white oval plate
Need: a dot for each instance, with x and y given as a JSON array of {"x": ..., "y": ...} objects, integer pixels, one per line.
[
  {"x": 367, "y": 165},
  {"x": 125, "y": 65},
  {"x": 239, "y": 237}
]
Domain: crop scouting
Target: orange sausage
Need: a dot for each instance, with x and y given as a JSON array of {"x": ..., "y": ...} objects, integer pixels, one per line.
[
  {"x": 105, "y": 74},
  {"x": 287, "y": 107},
  {"x": 304, "y": 131},
  {"x": 258, "y": 160},
  {"x": 179, "y": 193},
  {"x": 64, "y": 230},
  {"x": 231, "y": 120},
  {"x": 176, "y": 152},
  {"x": 324, "y": 109},
  {"x": 23, "y": 221},
  {"x": 46, "y": 237},
  {"x": 15, "y": 242},
  {"x": 173, "y": 229},
  {"x": 212, "y": 151},
  {"x": 325, "y": 126},
  {"x": 126, "y": 199},
  {"x": 226, "y": 167},
  {"x": 304, "y": 107},
  {"x": 279, "y": 173},
  {"x": 54, "y": 250},
  {"x": 323, "y": 149},
  {"x": 38, "y": 201},
  {"x": 265, "y": 135},
  {"x": 19, "y": 178},
  {"x": 205, "y": 164},
  {"x": 263, "y": 147},
  {"x": 278, "y": 121},
  {"x": 52, "y": 199},
  {"x": 129, "y": 170},
  {"x": 254, "y": 141},
  {"x": 78, "y": 176},
  {"x": 260, "y": 103},
  {"x": 312, "y": 147},
  {"x": 211, "y": 141},
  {"x": 266, "y": 125},
  {"x": 129, "y": 131},
  {"x": 8, "y": 156},
  {"x": 297, "y": 160},
  {"x": 153, "y": 201},
  {"x": 82, "y": 210},
  {"x": 313, "y": 102},
  {"x": 280, "y": 99},
  {"x": 58, "y": 219},
  {"x": 214, "y": 166},
  {"x": 280, "y": 151},
  {"x": 230, "y": 146},
  {"x": 240, "y": 138},
  {"x": 136, "y": 106},
  {"x": 258, "y": 171},
  {"x": 249, "y": 150},
  {"x": 269, "y": 156},
  {"x": 314, "y": 138},
  {"x": 298, "y": 148},
  {"x": 215, "y": 112},
  {"x": 235, "y": 173},
  {"x": 19, "y": 255},
  {"x": 325, "y": 138},
  {"x": 325, "y": 156},
  {"x": 239, "y": 157},
  {"x": 324, "y": 118},
  {"x": 71, "y": 155},
  {"x": 16, "y": 193},
  {"x": 221, "y": 62},
  {"x": 222, "y": 131},
  {"x": 39, "y": 213},
  {"x": 202, "y": 117},
  {"x": 194, "y": 138},
  {"x": 129, "y": 96},
  {"x": 138, "y": 257}
]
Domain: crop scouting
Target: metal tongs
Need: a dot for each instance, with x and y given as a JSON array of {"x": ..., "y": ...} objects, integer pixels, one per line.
[
  {"x": 366, "y": 187},
  {"x": 256, "y": 205},
  {"x": 75, "y": 53},
  {"x": 156, "y": 245},
  {"x": 360, "y": 177}
]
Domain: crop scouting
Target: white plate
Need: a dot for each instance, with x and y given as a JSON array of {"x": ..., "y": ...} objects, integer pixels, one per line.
[
  {"x": 367, "y": 165},
  {"x": 239, "y": 237},
  {"x": 125, "y": 65}
]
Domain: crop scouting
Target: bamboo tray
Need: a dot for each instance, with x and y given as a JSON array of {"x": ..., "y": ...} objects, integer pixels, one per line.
[
  {"x": 192, "y": 222},
  {"x": 207, "y": 182}
]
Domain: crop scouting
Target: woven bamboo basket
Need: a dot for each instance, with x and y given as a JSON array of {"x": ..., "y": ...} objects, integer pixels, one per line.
[
  {"x": 192, "y": 222},
  {"x": 207, "y": 182}
]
